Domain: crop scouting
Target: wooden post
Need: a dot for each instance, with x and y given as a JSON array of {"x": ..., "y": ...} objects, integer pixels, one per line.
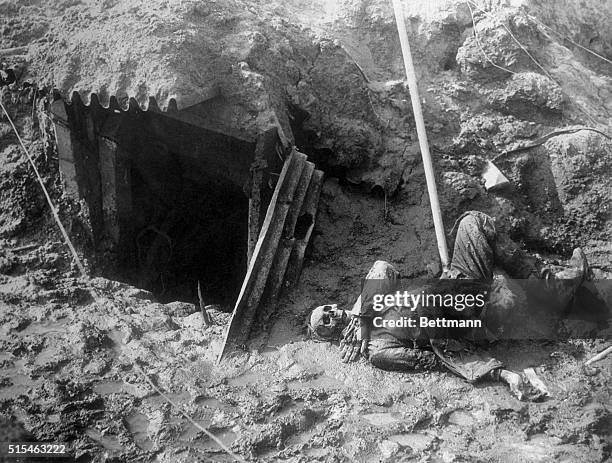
[
  {"x": 84, "y": 144},
  {"x": 65, "y": 151},
  {"x": 422, "y": 134},
  {"x": 264, "y": 159},
  {"x": 308, "y": 210},
  {"x": 77, "y": 160},
  {"x": 108, "y": 180},
  {"x": 259, "y": 266},
  {"x": 116, "y": 191},
  {"x": 255, "y": 196}
]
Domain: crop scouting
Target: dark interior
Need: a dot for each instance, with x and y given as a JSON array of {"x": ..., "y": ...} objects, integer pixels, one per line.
[
  {"x": 186, "y": 208},
  {"x": 186, "y": 231},
  {"x": 167, "y": 195}
]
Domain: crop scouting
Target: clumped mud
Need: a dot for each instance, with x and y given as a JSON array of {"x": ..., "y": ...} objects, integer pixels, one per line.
[
  {"x": 69, "y": 375},
  {"x": 331, "y": 74}
]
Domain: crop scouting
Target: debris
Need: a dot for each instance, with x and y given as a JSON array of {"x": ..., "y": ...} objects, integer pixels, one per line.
[
  {"x": 388, "y": 448},
  {"x": 493, "y": 177},
  {"x": 599, "y": 356},
  {"x": 205, "y": 314},
  {"x": 263, "y": 254},
  {"x": 536, "y": 381},
  {"x": 25, "y": 247},
  {"x": 14, "y": 51}
]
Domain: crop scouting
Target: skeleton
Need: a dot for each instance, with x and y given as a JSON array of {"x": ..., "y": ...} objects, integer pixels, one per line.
[
  {"x": 329, "y": 321},
  {"x": 477, "y": 248}
]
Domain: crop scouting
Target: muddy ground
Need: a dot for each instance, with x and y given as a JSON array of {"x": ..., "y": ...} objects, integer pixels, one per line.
[
  {"x": 329, "y": 72},
  {"x": 68, "y": 376}
]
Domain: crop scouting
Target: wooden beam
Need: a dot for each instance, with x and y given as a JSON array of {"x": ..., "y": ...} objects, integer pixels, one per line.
[
  {"x": 259, "y": 267},
  {"x": 255, "y": 199},
  {"x": 84, "y": 142},
  {"x": 116, "y": 192},
  {"x": 108, "y": 182},
  {"x": 68, "y": 165}
]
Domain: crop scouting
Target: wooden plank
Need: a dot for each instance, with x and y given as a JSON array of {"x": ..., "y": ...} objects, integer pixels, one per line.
[
  {"x": 287, "y": 242},
  {"x": 67, "y": 162},
  {"x": 65, "y": 151},
  {"x": 116, "y": 192},
  {"x": 255, "y": 200},
  {"x": 308, "y": 212},
  {"x": 259, "y": 267},
  {"x": 84, "y": 143},
  {"x": 108, "y": 183}
]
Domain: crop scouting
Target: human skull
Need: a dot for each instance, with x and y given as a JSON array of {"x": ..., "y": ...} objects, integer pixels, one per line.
[{"x": 326, "y": 321}]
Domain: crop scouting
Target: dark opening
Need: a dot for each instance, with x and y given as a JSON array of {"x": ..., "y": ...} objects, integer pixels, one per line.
[
  {"x": 302, "y": 225},
  {"x": 186, "y": 230},
  {"x": 306, "y": 142},
  {"x": 167, "y": 196}
]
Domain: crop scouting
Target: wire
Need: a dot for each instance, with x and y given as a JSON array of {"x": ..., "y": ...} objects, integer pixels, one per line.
[
  {"x": 588, "y": 50},
  {"x": 545, "y": 138},
  {"x": 180, "y": 410},
  {"x": 76, "y": 257},
  {"x": 480, "y": 45},
  {"x": 591, "y": 118},
  {"x": 513, "y": 37}
]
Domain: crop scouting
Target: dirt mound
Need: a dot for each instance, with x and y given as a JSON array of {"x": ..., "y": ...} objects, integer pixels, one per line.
[
  {"x": 68, "y": 374},
  {"x": 491, "y": 76}
]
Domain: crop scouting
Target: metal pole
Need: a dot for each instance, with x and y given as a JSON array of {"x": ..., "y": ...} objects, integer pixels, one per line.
[{"x": 422, "y": 134}]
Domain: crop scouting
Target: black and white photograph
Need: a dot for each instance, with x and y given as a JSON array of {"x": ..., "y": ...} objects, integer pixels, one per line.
[{"x": 306, "y": 231}]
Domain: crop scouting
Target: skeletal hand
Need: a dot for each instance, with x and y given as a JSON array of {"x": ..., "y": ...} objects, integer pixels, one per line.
[{"x": 352, "y": 344}]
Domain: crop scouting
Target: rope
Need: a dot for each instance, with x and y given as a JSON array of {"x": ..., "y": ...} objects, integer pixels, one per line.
[{"x": 94, "y": 294}]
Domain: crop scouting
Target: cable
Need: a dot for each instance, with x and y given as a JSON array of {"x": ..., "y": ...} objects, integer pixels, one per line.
[
  {"x": 480, "y": 45},
  {"x": 545, "y": 138},
  {"x": 180, "y": 410},
  {"x": 588, "y": 50},
  {"x": 591, "y": 118},
  {"x": 76, "y": 257},
  {"x": 514, "y": 38}
]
